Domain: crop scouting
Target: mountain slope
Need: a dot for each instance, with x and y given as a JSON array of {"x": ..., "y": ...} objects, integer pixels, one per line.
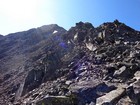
[
  {"x": 18, "y": 50},
  {"x": 82, "y": 66}
]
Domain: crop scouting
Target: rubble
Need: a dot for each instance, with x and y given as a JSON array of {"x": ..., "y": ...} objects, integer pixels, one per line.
[{"x": 82, "y": 66}]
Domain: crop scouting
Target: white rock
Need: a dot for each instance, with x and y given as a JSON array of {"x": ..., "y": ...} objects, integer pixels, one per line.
[
  {"x": 75, "y": 36},
  {"x": 55, "y": 31},
  {"x": 91, "y": 47},
  {"x": 68, "y": 42},
  {"x": 68, "y": 82}
]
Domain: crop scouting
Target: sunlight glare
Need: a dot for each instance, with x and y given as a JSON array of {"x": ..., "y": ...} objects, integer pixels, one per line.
[
  {"x": 19, "y": 9},
  {"x": 25, "y": 14}
]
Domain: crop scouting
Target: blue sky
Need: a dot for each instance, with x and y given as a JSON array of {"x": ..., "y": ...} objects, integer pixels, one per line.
[{"x": 20, "y": 15}]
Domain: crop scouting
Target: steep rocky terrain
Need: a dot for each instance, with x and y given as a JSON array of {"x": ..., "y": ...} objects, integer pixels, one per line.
[{"x": 82, "y": 66}]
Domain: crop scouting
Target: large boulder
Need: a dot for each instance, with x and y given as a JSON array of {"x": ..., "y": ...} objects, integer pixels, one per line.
[
  {"x": 57, "y": 100},
  {"x": 88, "y": 91},
  {"x": 121, "y": 72},
  {"x": 133, "y": 91},
  {"x": 111, "y": 97},
  {"x": 32, "y": 81}
]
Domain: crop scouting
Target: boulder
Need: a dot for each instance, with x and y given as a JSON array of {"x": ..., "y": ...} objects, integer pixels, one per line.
[
  {"x": 88, "y": 91},
  {"x": 99, "y": 58},
  {"x": 121, "y": 72},
  {"x": 91, "y": 47},
  {"x": 57, "y": 100},
  {"x": 125, "y": 101},
  {"x": 111, "y": 97},
  {"x": 68, "y": 82},
  {"x": 133, "y": 91},
  {"x": 137, "y": 75},
  {"x": 32, "y": 81}
]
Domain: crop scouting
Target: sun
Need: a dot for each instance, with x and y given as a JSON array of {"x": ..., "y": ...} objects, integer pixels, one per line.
[
  {"x": 19, "y": 9},
  {"x": 19, "y": 15},
  {"x": 24, "y": 11}
]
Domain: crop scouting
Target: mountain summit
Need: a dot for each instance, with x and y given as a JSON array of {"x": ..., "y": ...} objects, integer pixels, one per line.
[{"x": 82, "y": 66}]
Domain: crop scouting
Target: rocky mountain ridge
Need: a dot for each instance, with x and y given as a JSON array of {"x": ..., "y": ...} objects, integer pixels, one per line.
[{"x": 82, "y": 66}]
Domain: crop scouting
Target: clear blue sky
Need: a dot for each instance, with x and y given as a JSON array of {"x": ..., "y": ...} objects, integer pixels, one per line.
[{"x": 20, "y": 15}]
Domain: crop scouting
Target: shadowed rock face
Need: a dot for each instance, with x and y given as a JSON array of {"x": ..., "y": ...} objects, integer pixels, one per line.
[
  {"x": 82, "y": 66},
  {"x": 1, "y": 36},
  {"x": 23, "y": 52}
]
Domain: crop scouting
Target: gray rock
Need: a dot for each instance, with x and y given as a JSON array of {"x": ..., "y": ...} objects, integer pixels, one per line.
[
  {"x": 91, "y": 47},
  {"x": 137, "y": 75},
  {"x": 32, "y": 81},
  {"x": 92, "y": 103},
  {"x": 117, "y": 42},
  {"x": 88, "y": 91},
  {"x": 120, "y": 72},
  {"x": 99, "y": 58},
  {"x": 125, "y": 101},
  {"x": 110, "y": 97},
  {"x": 68, "y": 82},
  {"x": 56, "y": 100},
  {"x": 133, "y": 91}
]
